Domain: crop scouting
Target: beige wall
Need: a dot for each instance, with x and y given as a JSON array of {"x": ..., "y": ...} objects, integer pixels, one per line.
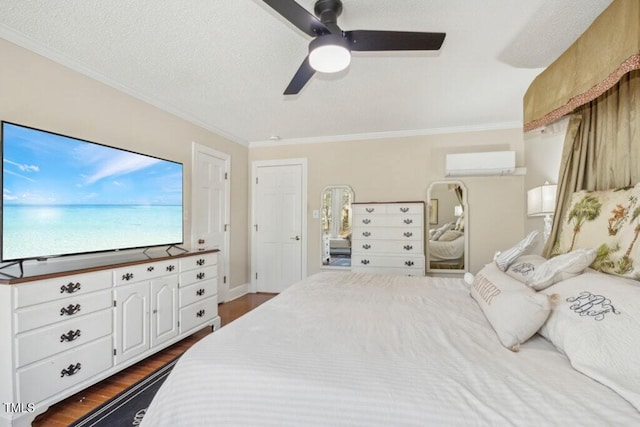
[
  {"x": 401, "y": 169},
  {"x": 37, "y": 92}
]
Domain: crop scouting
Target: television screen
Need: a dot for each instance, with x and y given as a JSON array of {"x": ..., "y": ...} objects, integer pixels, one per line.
[{"x": 63, "y": 196}]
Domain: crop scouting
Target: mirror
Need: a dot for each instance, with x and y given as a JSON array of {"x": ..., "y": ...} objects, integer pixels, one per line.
[
  {"x": 336, "y": 226},
  {"x": 448, "y": 234}
]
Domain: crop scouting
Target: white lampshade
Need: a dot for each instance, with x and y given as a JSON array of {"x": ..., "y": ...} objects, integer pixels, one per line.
[
  {"x": 541, "y": 200},
  {"x": 329, "y": 54}
]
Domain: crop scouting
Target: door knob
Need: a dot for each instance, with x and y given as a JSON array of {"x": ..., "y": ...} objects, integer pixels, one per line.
[{"x": 295, "y": 238}]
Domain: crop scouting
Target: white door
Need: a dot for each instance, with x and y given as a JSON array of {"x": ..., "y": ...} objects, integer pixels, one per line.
[
  {"x": 210, "y": 207},
  {"x": 279, "y": 224}
]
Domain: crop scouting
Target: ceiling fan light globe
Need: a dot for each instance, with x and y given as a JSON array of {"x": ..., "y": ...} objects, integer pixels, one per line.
[{"x": 329, "y": 54}]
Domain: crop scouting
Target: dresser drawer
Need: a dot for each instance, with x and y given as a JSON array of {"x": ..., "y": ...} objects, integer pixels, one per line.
[
  {"x": 388, "y": 233},
  {"x": 388, "y": 261},
  {"x": 141, "y": 272},
  {"x": 397, "y": 247},
  {"x": 388, "y": 221},
  {"x": 57, "y": 311},
  {"x": 198, "y": 261},
  {"x": 197, "y": 292},
  {"x": 198, "y": 313},
  {"x": 61, "y": 287},
  {"x": 405, "y": 208},
  {"x": 55, "y": 374},
  {"x": 198, "y": 275},
  {"x": 44, "y": 342},
  {"x": 387, "y": 208}
]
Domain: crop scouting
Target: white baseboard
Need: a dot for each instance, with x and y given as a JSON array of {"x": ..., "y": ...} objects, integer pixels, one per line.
[{"x": 237, "y": 292}]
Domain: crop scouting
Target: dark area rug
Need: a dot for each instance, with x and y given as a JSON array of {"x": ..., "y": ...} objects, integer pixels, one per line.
[{"x": 129, "y": 406}]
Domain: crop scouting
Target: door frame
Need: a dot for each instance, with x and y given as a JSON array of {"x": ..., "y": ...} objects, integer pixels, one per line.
[
  {"x": 303, "y": 209},
  {"x": 223, "y": 286}
]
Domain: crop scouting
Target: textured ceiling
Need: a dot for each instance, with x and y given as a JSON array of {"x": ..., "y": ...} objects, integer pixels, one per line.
[{"x": 224, "y": 64}]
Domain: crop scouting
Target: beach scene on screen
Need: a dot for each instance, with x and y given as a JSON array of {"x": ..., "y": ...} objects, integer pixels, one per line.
[{"x": 63, "y": 196}]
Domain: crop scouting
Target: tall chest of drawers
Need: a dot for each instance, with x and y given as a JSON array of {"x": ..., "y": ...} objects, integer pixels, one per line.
[{"x": 388, "y": 238}]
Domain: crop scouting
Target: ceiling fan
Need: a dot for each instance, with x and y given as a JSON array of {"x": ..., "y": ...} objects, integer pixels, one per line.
[{"x": 330, "y": 50}]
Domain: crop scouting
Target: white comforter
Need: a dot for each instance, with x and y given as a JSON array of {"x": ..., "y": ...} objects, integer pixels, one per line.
[{"x": 347, "y": 349}]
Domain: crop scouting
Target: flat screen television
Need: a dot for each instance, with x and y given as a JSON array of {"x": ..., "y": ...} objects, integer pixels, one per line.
[{"x": 68, "y": 196}]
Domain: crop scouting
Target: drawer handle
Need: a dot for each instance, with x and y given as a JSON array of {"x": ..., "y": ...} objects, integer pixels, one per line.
[
  {"x": 408, "y": 247},
  {"x": 171, "y": 267},
  {"x": 200, "y": 292},
  {"x": 70, "y": 336},
  {"x": 70, "y": 288},
  {"x": 408, "y": 263},
  {"x": 70, "y": 310},
  {"x": 370, "y": 209},
  {"x": 408, "y": 234},
  {"x": 404, "y": 210},
  {"x": 71, "y": 370},
  {"x": 200, "y": 261},
  {"x": 366, "y": 246},
  {"x": 127, "y": 276},
  {"x": 150, "y": 268},
  {"x": 366, "y": 221},
  {"x": 200, "y": 313},
  {"x": 364, "y": 261},
  {"x": 366, "y": 233},
  {"x": 200, "y": 275},
  {"x": 408, "y": 221}
]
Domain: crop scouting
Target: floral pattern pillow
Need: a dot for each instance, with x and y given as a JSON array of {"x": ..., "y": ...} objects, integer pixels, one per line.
[{"x": 608, "y": 221}]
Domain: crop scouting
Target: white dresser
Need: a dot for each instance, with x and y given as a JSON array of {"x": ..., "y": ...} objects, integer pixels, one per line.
[
  {"x": 64, "y": 331},
  {"x": 388, "y": 238}
]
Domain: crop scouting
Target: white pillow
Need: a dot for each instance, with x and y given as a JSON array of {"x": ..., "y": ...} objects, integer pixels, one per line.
[
  {"x": 524, "y": 267},
  {"x": 450, "y": 235},
  {"x": 561, "y": 267},
  {"x": 596, "y": 323},
  {"x": 504, "y": 259},
  {"x": 440, "y": 231},
  {"x": 514, "y": 310}
]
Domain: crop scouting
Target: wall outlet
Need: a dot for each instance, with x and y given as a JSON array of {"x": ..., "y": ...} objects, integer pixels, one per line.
[{"x": 316, "y": 214}]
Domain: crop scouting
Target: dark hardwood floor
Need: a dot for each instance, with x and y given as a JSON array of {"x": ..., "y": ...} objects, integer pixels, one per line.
[{"x": 79, "y": 404}]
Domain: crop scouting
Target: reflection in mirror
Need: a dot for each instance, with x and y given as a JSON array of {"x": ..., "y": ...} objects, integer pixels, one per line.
[
  {"x": 336, "y": 226},
  {"x": 448, "y": 241}
]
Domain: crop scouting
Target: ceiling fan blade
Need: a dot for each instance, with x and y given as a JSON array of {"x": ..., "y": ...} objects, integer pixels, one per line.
[
  {"x": 302, "y": 76},
  {"x": 365, "y": 40},
  {"x": 298, "y": 16}
]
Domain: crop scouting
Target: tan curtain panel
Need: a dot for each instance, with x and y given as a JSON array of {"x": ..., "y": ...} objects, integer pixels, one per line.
[
  {"x": 609, "y": 49},
  {"x": 601, "y": 148}
]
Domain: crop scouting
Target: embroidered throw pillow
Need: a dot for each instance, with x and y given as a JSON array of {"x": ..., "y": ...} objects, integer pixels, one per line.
[
  {"x": 524, "y": 267},
  {"x": 504, "y": 259},
  {"x": 595, "y": 321},
  {"x": 514, "y": 310},
  {"x": 561, "y": 267}
]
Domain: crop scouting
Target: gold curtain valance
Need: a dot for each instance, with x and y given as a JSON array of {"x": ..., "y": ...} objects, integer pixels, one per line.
[{"x": 595, "y": 62}]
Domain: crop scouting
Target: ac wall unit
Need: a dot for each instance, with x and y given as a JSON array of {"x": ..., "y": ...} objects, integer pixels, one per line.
[{"x": 481, "y": 164}]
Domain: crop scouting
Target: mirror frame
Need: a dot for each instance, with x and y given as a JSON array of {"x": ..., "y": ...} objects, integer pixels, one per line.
[
  {"x": 353, "y": 199},
  {"x": 465, "y": 204}
]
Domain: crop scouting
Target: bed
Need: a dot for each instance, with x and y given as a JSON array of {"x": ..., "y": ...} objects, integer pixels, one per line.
[
  {"x": 526, "y": 341},
  {"x": 356, "y": 349}
]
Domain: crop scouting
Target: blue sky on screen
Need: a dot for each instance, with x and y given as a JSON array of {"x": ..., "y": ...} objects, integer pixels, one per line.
[{"x": 44, "y": 168}]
